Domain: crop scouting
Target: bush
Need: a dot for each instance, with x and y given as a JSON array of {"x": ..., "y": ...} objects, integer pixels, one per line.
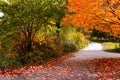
[
  {"x": 8, "y": 61},
  {"x": 16, "y": 61},
  {"x": 46, "y": 45},
  {"x": 118, "y": 47},
  {"x": 31, "y": 58},
  {"x": 51, "y": 47},
  {"x": 69, "y": 47},
  {"x": 72, "y": 35}
]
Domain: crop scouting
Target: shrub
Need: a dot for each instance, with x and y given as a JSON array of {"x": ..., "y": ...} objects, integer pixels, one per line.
[
  {"x": 69, "y": 47},
  {"x": 51, "y": 47},
  {"x": 8, "y": 61},
  {"x": 45, "y": 45},
  {"x": 72, "y": 35},
  {"x": 16, "y": 61}
]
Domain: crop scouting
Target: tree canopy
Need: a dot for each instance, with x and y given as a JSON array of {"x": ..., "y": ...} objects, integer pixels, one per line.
[
  {"x": 23, "y": 19},
  {"x": 108, "y": 17},
  {"x": 89, "y": 14}
]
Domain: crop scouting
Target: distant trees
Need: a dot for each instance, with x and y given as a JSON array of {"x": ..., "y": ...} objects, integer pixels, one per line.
[{"x": 100, "y": 35}]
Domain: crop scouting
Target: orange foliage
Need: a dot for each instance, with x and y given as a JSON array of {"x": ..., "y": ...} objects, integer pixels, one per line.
[
  {"x": 104, "y": 15},
  {"x": 108, "y": 15},
  {"x": 80, "y": 13}
]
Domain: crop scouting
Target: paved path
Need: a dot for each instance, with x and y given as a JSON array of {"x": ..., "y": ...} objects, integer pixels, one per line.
[
  {"x": 70, "y": 69},
  {"x": 94, "y": 50}
]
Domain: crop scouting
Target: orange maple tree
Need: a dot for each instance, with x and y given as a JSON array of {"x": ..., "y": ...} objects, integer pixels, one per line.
[
  {"x": 104, "y": 15},
  {"x": 79, "y": 13},
  {"x": 108, "y": 17}
]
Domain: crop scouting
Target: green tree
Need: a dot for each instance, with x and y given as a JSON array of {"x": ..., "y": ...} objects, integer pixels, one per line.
[
  {"x": 23, "y": 19},
  {"x": 22, "y": 22}
]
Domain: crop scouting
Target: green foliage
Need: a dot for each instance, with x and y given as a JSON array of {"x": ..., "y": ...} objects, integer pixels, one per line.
[
  {"x": 51, "y": 47},
  {"x": 31, "y": 58},
  {"x": 117, "y": 46},
  {"x": 72, "y": 35},
  {"x": 31, "y": 32},
  {"x": 8, "y": 61},
  {"x": 15, "y": 61},
  {"x": 100, "y": 35},
  {"x": 21, "y": 23},
  {"x": 25, "y": 18},
  {"x": 69, "y": 47},
  {"x": 69, "y": 40}
]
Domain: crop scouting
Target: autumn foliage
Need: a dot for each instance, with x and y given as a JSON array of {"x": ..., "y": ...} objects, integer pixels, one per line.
[
  {"x": 96, "y": 69},
  {"x": 79, "y": 13},
  {"x": 107, "y": 17},
  {"x": 103, "y": 15},
  {"x": 106, "y": 68}
]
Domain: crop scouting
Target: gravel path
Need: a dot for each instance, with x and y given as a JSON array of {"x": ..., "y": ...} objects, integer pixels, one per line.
[{"x": 74, "y": 68}]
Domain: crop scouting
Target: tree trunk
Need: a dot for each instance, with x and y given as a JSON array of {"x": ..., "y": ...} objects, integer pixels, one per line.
[
  {"x": 58, "y": 27},
  {"x": 29, "y": 42},
  {"x": 29, "y": 45}
]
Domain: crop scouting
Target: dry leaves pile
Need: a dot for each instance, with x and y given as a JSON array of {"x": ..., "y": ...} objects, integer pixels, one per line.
[
  {"x": 96, "y": 69},
  {"x": 106, "y": 68},
  {"x": 33, "y": 68}
]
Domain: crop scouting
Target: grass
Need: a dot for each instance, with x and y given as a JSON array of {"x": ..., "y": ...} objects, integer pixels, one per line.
[{"x": 108, "y": 45}]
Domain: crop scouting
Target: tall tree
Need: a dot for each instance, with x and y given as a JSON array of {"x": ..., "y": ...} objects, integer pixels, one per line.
[
  {"x": 107, "y": 17},
  {"x": 100, "y": 14},
  {"x": 23, "y": 19}
]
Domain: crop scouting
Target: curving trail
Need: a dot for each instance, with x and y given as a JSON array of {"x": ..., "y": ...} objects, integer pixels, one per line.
[
  {"x": 74, "y": 68},
  {"x": 94, "y": 50}
]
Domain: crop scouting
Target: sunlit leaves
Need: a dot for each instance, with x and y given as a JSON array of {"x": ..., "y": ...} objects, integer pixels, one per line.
[
  {"x": 109, "y": 16},
  {"x": 79, "y": 13},
  {"x": 95, "y": 13}
]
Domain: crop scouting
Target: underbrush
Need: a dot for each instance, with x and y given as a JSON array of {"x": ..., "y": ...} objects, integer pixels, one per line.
[{"x": 46, "y": 45}]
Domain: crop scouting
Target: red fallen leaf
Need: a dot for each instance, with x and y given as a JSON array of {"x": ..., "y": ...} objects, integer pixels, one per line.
[
  {"x": 106, "y": 67},
  {"x": 100, "y": 77},
  {"x": 105, "y": 79},
  {"x": 108, "y": 79},
  {"x": 109, "y": 74},
  {"x": 34, "y": 68},
  {"x": 18, "y": 73}
]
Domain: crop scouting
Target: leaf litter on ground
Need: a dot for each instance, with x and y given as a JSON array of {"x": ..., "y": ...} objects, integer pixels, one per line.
[{"x": 58, "y": 68}]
